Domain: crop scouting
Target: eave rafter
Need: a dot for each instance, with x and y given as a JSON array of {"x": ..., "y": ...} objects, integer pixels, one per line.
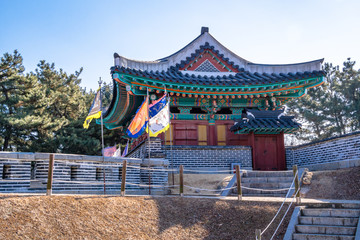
[{"x": 289, "y": 89}]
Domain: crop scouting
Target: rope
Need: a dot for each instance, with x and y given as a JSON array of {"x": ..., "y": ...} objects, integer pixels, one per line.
[
  {"x": 153, "y": 186},
  {"x": 91, "y": 165},
  {"x": 282, "y": 204},
  {"x": 268, "y": 190},
  {"x": 23, "y": 159},
  {"x": 212, "y": 171},
  {"x": 155, "y": 169},
  {"x": 88, "y": 183},
  {"x": 15, "y": 180},
  {"x": 209, "y": 190},
  {"x": 284, "y": 214}
]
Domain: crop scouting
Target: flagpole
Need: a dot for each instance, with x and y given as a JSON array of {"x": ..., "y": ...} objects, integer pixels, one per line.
[
  {"x": 149, "y": 172},
  {"x": 171, "y": 144},
  {"x": 102, "y": 133}
]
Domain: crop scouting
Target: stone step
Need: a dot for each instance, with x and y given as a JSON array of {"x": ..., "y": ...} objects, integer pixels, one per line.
[
  {"x": 330, "y": 212},
  {"x": 268, "y": 174},
  {"x": 267, "y": 179},
  {"x": 301, "y": 236},
  {"x": 325, "y": 229},
  {"x": 333, "y": 221}
]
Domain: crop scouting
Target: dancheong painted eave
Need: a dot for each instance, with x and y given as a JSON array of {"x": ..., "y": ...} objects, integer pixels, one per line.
[{"x": 205, "y": 69}]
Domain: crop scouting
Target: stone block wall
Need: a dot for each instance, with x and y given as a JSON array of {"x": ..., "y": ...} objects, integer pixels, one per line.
[
  {"x": 209, "y": 157},
  {"x": 28, "y": 172},
  {"x": 332, "y": 153}
]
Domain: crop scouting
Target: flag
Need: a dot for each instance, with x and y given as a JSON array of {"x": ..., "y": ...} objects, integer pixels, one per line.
[
  {"x": 117, "y": 153},
  {"x": 159, "y": 117},
  {"x": 139, "y": 123},
  {"x": 109, "y": 151},
  {"x": 95, "y": 110},
  {"x": 125, "y": 152}
]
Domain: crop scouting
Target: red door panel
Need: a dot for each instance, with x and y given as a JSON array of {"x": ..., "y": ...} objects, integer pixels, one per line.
[{"x": 266, "y": 153}]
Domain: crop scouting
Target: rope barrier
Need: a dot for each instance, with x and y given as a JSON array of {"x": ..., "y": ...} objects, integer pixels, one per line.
[
  {"x": 212, "y": 171},
  {"x": 153, "y": 186},
  {"x": 282, "y": 204},
  {"x": 155, "y": 169},
  {"x": 91, "y": 165},
  {"x": 268, "y": 190},
  {"x": 210, "y": 190},
  {"x": 15, "y": 180},
  {"x": 23, "y": 159},
  {"x": 287, "y": 210},
  {"x": 88, "y": 183}
]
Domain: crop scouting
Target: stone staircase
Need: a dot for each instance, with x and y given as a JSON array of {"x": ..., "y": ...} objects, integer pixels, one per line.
[
  {"x": 337, "y": 222},
  {"x": 269, "y": 180}
]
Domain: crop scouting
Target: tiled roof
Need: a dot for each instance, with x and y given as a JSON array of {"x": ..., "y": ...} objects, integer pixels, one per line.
[
  {"x": 240, "y": 78},
  {"x": 266, "y": 122},
  {"x": 206, "y": 41}
]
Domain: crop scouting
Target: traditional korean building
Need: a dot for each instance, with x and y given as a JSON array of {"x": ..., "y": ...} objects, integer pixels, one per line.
[{"x": 217, "y": 97}]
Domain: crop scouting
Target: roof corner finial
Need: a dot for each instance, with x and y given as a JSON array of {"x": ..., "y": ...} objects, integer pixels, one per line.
[{"x": 204, "y": 30}]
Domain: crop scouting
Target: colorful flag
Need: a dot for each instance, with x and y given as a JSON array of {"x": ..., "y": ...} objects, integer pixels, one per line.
[
  {"x": 159, "y": 117},
  {"x": 109, "y": 151},
  {"x": 117, "y": 153},
  {"x": 95, "y": 110},
  {"x": 125, "y": 152},
  {"x": 139, "y": 123}
]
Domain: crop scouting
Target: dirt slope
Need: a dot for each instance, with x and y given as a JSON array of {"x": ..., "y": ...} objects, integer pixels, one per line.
[
  {"x": 97, "y": 217},
  {"x": 338, "y": 184}
]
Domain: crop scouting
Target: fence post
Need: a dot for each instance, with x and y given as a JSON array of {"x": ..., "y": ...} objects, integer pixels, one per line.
[
  {"x": 50, "y": 175},
  {"x": 181, "y": 173},
  {"x": 297, "y": 185},
  {"x": 123, "y": 179},
  {"x": 258, "y": 234},
  {"x": 238, "y": 182}
]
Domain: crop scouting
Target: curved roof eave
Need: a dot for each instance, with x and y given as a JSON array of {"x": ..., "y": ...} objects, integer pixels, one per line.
[{"x": 165, "y": 63}]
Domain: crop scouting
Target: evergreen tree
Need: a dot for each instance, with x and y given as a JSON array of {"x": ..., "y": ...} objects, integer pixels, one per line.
[
  {"x": 331, "y": 109},
  {"x": 13, "y": 100}
]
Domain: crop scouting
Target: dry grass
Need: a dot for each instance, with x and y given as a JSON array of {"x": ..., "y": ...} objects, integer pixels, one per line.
[
  {"x": 337, "y": 184},
  {"x": 98, "y": 217}
]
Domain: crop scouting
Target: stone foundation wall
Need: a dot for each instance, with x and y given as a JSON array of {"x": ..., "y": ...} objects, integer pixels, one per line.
[
  {"x": 28, "y": 172},
  {"x": 209, "y": 157},
  {"x": 332, "y": 153}
]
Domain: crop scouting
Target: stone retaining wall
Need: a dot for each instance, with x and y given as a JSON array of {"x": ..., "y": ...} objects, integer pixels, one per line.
[
  {"x": 28, "y": 172},
  {"x": 209, "y": 157},
  {"x": 331, "y": 153}
]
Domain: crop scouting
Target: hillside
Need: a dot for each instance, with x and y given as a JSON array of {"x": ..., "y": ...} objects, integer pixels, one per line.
[
  {"x": 98, "y": 217},
  {"x": 336, "y": 184}
]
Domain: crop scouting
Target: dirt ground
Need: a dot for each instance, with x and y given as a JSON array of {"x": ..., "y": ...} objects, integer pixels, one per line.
[
  {"x": 99, "y": 217},
  {"x": 201, "y": 181},
  {"x": 337, "y": 184}
]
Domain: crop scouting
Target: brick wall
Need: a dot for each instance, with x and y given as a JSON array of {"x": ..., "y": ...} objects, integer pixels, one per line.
[
  {"x": 342, "y": 149},
  {"x": 209, "y": 157}
]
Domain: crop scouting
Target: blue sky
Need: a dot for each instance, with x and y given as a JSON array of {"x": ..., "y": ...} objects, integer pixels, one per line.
[{"x": 77, "y": 33}]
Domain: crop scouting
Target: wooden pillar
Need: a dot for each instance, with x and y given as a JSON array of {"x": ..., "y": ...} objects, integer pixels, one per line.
[
  {"x": 297, "y": 185},
  {"x": 258, "y": 234},
  {"x": 123, "y": 179},
  {"x": 181, "y": 180},
  {"x": 281, "y": 152},
  {"x": 238, "y": 182},
  {"x": 50, "y": 175},
  {"x": 252, "y": 144},
  {"x": 212, "y": 134}
]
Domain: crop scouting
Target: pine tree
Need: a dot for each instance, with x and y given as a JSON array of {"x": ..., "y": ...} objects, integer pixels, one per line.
[
  {"x": 13, "y": 100},
  {"x": 331, "y": 109}
]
